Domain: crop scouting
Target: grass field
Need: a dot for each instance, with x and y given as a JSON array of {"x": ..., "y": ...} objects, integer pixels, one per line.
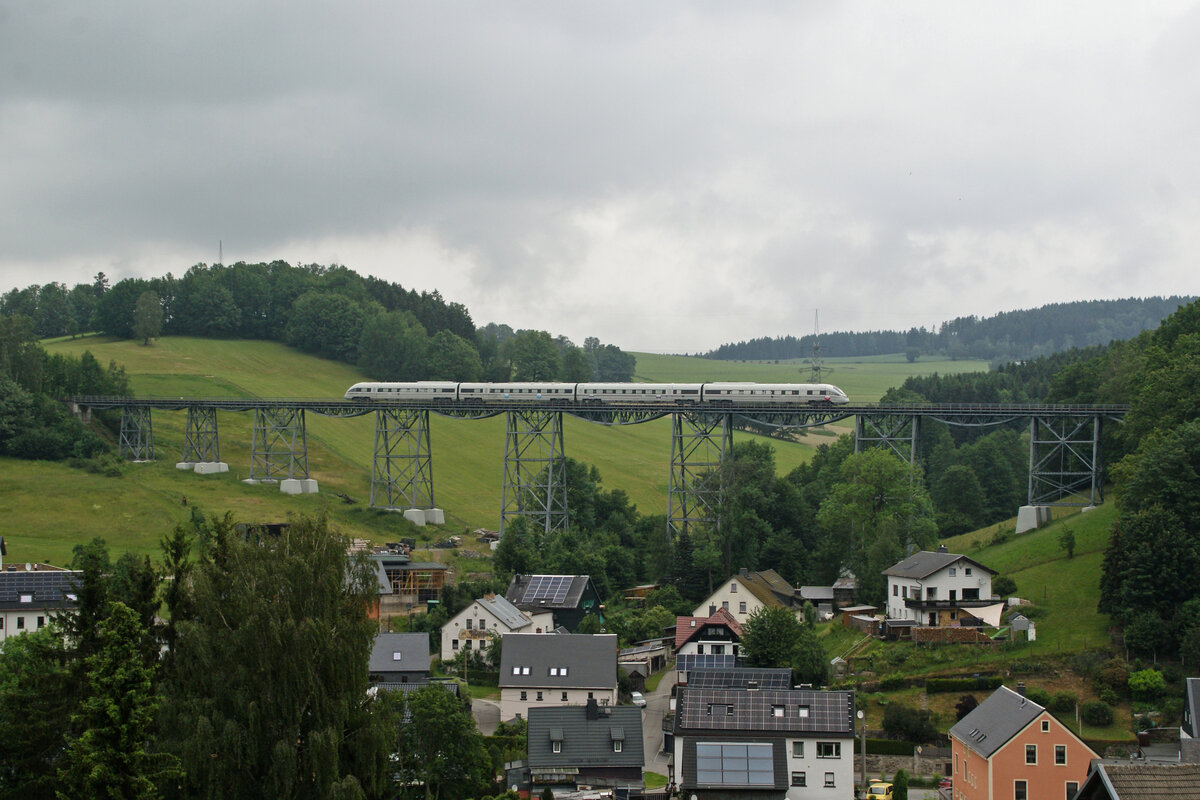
[{"x": 135, "y": 510}]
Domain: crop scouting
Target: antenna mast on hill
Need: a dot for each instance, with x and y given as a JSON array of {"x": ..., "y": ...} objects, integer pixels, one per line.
[{"x": 817, "y": 369}]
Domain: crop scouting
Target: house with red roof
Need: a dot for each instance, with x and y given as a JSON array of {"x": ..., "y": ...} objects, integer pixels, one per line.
[{"x": 718, "y": 634}]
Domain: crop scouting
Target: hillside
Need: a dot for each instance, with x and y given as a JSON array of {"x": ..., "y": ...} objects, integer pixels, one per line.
[{"x": 133, "y": 511}]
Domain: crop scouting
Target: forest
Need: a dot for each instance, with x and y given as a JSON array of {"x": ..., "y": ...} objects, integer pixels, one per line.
[{"x": 1007, "y": 336}]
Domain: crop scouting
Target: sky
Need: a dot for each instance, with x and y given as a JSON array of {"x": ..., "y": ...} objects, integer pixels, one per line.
[{"x": 664, "y": 176}]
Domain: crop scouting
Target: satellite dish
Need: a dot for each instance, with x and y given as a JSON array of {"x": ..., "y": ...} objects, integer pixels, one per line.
[{"x": 28, "y": 567}]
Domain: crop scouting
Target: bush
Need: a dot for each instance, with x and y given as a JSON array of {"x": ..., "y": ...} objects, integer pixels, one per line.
[
  {"x": 1147, "y": 684},
  {"x": 892, "y": 681},
  {"x": 1108, "y": 696},
  {"x": 1098, "y": 714},
  {"x": 1003, "y": 586},
  {"x": 1063, "y": 702},
  {"x": 942, "y": 685},
  {"x": 1114, "y": 675},
  {"x": 904, "y": 722},
  {"x": 1039, "y": 696}
]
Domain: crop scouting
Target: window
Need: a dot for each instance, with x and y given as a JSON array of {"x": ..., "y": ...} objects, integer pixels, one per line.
[
  {"x": 776, "y": 711},
  {"x": 524, "y": 670},
  {"x": 699, "y": 649},
  {"x": 829, "y": 749},
  {"x": 539, "y": 695},
  {"x": 742, "y": 607},
  {"x": 524, "y": 695},
  {"x": 895, "y": 590},
  {"x": 397, "y": 655},
  {"x": 1072, "y": 790},
  {"x": 20, "y": 623},
  {"x": 454, "y": 644},
  {"x": 564, "y": 697},
  {"x": 1020, "y": 790},
  {"x": 719, "y": 764},
  {"x": 953, "y": 572},
  {"x": 733, "y": 586},
  {"x": 799, "y": 779},
  {"x": 725, "y": 604},
  {"x": 1045, "y": 726},
  {"x": 718, "y": 649},
  {"x": 617, "y": 746},
  {"x": 468, "y": 644},
  {"x": 41, "y": 622},
  {"x": 468, "y": 624},
  {"x": 1031, "y": 754},
  {"x": 956, "y": 763},
  {"x": 556, "y": 747},
  {"x": 516, "y": 670},
  {"x": 802, "y": 711},
  {"x": 968, "y": 571},
  {"x": 1060, "y": 754},
  {"x": 798, "y": 752},
  {"x": 829, "y": 784},
  {"x": 26, "y": 598}
]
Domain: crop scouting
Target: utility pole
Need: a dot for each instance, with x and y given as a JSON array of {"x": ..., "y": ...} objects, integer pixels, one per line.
[{"x": 863, "y": 759}]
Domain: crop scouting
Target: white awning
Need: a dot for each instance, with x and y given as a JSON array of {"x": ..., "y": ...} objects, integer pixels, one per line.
[{"x": 989, "y": 614}]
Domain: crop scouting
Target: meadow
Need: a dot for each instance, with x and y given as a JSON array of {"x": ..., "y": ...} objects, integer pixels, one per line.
[{"x": 133, "y": 511}]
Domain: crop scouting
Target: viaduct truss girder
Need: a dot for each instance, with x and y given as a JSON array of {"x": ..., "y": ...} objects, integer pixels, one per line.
[
  {"x": 535, "y": 486},
  {"x": 1064, "y": 443}
]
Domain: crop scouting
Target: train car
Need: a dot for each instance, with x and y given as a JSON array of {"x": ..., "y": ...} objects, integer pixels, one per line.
[
  {"x": 437, "y": 391},
  {"x": 517, "y": 392},
  {"x": 592, "y": 393},
  {"x": 755, "y": 393}
]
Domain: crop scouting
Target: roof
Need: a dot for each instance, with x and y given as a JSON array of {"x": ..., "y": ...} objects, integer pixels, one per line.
[
  {"x": 688, "y": 628},
  {"x": 400, "y": 652},
  {"x": 740, "y": 678},
  {"x": 1141, "y": 781},
  {"x": 693, "y": 661},
  {"x": 816, "y": 592},
  {"x": 765, "y": 711},
  {"x": 45, "y": 589},
  {"x": 588, "y": 660},
  {"x": 775, "y": 582},
  {"x": 997, "y": 719},
  {"x": 504, "y": 611},
  {"x": 767, "y": 586},
  {"x": 529, "y": 592},
  {"x": 925, "y": 563},
  {"x": 1191, "y": 707},
  {"x": 584, "y": 742}
]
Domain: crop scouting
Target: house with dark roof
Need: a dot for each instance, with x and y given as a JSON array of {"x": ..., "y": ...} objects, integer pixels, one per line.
[
  {"x": 715, "y": 635},
  {"x": 557, "y": 670},
  {"x": 791, "y": 743},
  {"x": 1011, "y": 747},
  {"x": 1189, "y": 729},
  {"x": 491, "y": 615},
  {"x": 942, "y": 589},
  {"x": 32, "y": 594},
  {"x": 400, "y": 658},
  {"x": 1132, "y": 780},
  {"x": 746, "y": 592},
  {"x": 569, "y": 598},
  {"x": 589, "y": 745}
]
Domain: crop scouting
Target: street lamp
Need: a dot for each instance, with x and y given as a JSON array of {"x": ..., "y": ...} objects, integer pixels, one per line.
[{"x": 863, "y": 718}]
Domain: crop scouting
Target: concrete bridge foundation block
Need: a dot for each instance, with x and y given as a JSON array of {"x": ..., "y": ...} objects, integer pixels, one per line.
[
  {"x": 434, "y": 516},
  {"x": 185, "y": 464},
  {"x": 1030, "y": 517},
  {"x": 298, "y": 486},
  {"x": 210, "y": 467},
  {"x": 416, "y": 516}
]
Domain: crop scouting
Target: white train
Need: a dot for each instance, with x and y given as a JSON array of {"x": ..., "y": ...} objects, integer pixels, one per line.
[{"x": 603, "y": 393}]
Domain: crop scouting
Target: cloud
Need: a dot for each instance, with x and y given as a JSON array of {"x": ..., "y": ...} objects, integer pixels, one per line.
[{"x": 662, "y": 177}]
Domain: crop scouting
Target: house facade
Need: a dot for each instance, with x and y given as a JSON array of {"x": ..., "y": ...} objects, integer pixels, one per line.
[
  {"x": 717, "y": 635},
  {"x": 793, "y": 743},
  {"x": 1189, "y": 729},
  {"x": 746, "y": 592},
  {"x": 589, "y": 745},
  {"x": 1011, "y": 748},
  {"x": 941, "y": 589},
  {"x": 32, "y": 594},
  {"x": 565, "y": 669},
  {"x": 473, "y": 627}
]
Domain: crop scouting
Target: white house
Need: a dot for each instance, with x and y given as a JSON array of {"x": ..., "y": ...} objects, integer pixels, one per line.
[
  {"x": 473, "y": 627},
  {"x": 941, "y": 589},
  {"x": 30, "y": 594},
  {"x": 747, "y": 592},
  {"x": 563, "y": 669},
  {"x": 794, "y": 743},
  {"x": 717, "y": 635}
]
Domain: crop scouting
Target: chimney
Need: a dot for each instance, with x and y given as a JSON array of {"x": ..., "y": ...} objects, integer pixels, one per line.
[
  {"x": 745, "y": 573},
  {"x": 593, "y": 709},
  {"x": 1021, "y": 691},
  {"x": 943, "y": 549}
]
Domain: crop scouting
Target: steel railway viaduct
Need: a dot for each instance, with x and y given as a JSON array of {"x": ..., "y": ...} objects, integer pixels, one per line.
[{"x": 1064, "y": 444}]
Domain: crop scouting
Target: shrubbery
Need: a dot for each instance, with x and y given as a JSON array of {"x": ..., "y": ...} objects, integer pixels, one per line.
[
  {"x": 1097, "y": 713},
  {"x": 943, "y": 685},
  {"x": 904, "y": 722}
]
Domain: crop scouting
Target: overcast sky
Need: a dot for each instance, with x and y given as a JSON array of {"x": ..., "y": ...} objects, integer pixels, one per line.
[{"x": 664, "y": 176}]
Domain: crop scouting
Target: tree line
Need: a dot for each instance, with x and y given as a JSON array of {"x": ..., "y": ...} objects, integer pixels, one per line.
[
  {"x": 1007, "y": 336},
  {"x": 238, "y": 667},
  {"x": 391, "y": 332}
]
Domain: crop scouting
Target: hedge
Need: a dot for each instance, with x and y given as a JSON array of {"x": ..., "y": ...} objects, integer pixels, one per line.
[
  {"x": 887, "y": 747},
  {"x": 943, "y": 685}
]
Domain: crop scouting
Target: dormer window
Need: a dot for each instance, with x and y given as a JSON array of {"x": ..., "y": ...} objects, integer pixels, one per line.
[
  {"x": 560, "y": 672},
  {"x": 397, "y": 655},
  {"x": 803, "y": 711},
  {"x": 776, "y": 711},
  {"x": 26, "y": 598}
]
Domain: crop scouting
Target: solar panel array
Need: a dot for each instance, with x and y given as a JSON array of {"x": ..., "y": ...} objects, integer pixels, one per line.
[
  {"x": 551, "y": 589},
  {"x": 766, "y": 678},
  {"x": 687, "y": 663},
  {"x": 45, "y": 586},
  {"x": 793, "y": 710}
]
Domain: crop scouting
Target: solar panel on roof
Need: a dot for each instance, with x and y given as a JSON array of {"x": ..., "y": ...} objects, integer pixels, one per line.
[
  {"x": 551, "y": 589},
  {"x": 687, "y": 663}
]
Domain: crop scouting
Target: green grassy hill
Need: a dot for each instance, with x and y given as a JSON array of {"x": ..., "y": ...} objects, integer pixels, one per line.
[{"x": 45, "y": 509}]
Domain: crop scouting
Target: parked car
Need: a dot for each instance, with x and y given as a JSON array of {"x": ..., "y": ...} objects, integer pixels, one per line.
[
  {"x": 637, "y": 699},
  {"x": 879, "y": 790}
]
